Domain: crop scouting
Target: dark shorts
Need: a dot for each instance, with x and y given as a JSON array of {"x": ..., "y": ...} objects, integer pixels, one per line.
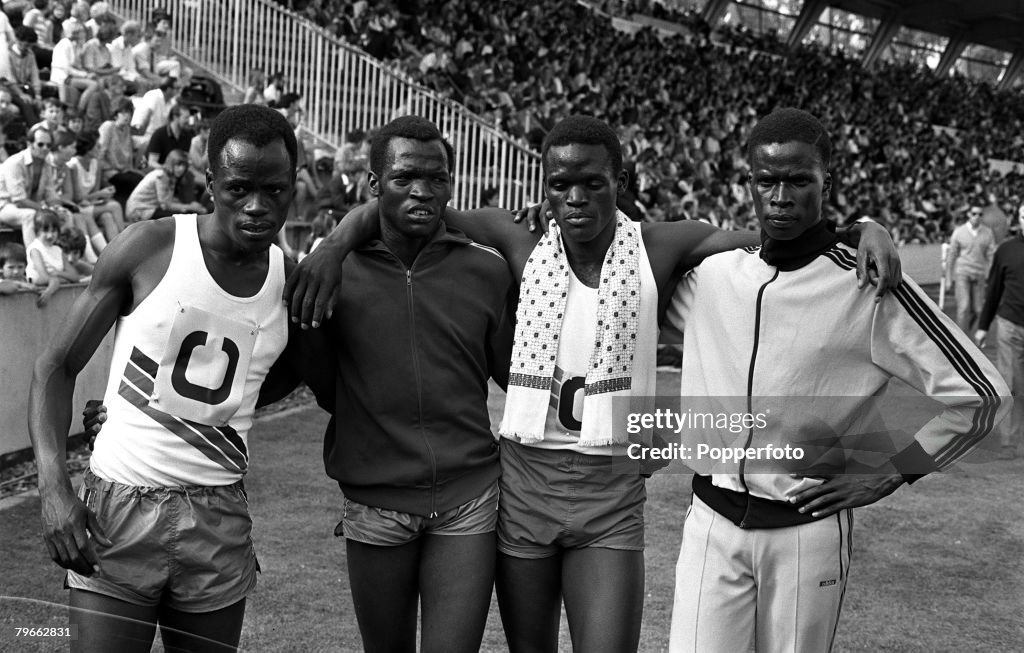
[
  {"x": 552, "y": 500},
  {"x": 189, "y": 548},
  {"x": 383, "y": 527}
]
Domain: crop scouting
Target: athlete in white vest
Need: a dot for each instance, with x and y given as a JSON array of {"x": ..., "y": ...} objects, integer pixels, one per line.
[{"x": 160, "y": 532}]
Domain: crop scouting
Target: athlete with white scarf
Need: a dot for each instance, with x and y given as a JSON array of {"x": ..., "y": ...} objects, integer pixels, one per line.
[{"x": 569, "y": 528}]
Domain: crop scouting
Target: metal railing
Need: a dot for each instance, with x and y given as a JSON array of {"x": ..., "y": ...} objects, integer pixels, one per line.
[{"x": 343, "y": 88}]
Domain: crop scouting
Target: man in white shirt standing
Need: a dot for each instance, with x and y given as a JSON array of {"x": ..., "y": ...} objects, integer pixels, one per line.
[{"x": 970, "y": 256}]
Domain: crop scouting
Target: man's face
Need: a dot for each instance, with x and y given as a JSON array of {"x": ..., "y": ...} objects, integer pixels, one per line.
[
  {"x": 252, "y": 188},
  {"x": 40, "y": 144},
  {"x": 974, "y": 216},
  {"x": 132, "y": 37},
  {"x": 14, "y": 270},
  {"x": 181, "y": 120},
  {"x": 122, "y": 118},
  {"x": 582, "y": 188},
  {"x": 788, "y": 182},
  {"x": 413, "y": 187}
]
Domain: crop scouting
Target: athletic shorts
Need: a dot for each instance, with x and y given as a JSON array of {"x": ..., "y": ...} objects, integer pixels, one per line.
[
  {"x": 189, "y": 548},
  {"x": 383, "y": 527},
  {"x": 552, "y": 500}
]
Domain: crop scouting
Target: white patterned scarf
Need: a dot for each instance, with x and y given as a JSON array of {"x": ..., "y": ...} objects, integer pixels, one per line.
[{"x": 538, "y": 325}]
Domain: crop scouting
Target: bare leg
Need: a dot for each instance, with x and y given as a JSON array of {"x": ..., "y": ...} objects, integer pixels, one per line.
[
  {"x": 604, "y": 598},
  {"x": 456, "y": 579},
  {"x": 109, "y": 624},
  {"x": 202, "y": 632},
  {"x": 530, "y": 601},
  {"x": 385, "y": 589}
]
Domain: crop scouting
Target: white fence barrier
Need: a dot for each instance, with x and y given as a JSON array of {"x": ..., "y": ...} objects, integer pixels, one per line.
[{"x": 343, "y": 88}]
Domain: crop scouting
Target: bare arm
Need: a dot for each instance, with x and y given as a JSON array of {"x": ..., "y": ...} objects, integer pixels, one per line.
[{"x": 67, "y": 522}]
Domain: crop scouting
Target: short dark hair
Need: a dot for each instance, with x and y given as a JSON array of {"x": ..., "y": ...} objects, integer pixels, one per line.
[
  {"x": 415, "y": 127},
  {"x": 788, "y": 125},
  {"x": 584, "y": 130},
  {"x": 46, "y": 219},
  {"x": 167, "y": 83},
  {"x": 71, "y": 240},
  {"x": 26, "y": 34},
  {"x": 84, "y": 143},
  {"x": 254, "y": 124},
  {"x": 13, "y": 252},
  {"x": 124, "y": 106},
  {"x": 176, "y": 110}
]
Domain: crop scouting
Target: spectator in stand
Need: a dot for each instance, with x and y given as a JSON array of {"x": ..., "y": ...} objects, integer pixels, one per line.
[
  {"x": 99, "y": 106},
  {"x": 87, "y": 188},
  {"x": 38, "y": 20},
  {"x": 82, "y": 217},
  {"x": 24, "y": 177},
  {"x": 96, "y": 57},
  {"x": 144, "y": 56},
  {"x": 306, "y": 184},
  {"x": 9, "y": 113},
  {"x": 164, "y": 61},
  {"x": 152, "y": 111},
  {"x": 198, "y": 159},
  {"x": 970, "y": 256},
  {"x": 164, "y": 191},
  {"x": 52, "y": 117},
  {"x": 117, "y": 152},
  {"x": 99, "y": 14},
  {"x": 175, "y": 135},
  {"x": 6, "y": 40},
  {"x": 54, "y": 24},
  {"x": 72, "y": 242},
  {"x": 73, "y": 121},
  {"x": 122, "y": 57},
  {"x": 25, "y": 86},
  {"x": 47, "y": 265},
  {"x": 352, "y": 162},
  {"x": 78, "y": 15},
  {"x": 254, "y": 90},
  {"x": 275, "y": 89},
  {"x": 12, "y": 270},
  {"x": 67, "y": 70}
]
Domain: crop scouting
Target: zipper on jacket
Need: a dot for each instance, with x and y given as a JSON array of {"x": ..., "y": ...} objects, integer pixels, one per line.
[
  {"x": 419, "y": 390},
  {"x": 750, "y": 388}
]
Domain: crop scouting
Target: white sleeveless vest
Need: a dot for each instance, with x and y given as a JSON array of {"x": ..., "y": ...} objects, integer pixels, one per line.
[{"x": 186, "y": 371}]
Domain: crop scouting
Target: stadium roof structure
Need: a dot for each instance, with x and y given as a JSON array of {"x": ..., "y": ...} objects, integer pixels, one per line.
[{"x": 998, "y": 24}]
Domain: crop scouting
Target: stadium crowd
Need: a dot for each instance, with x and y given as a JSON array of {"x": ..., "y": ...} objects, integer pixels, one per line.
[
  {"x": 913, "y": 150},
  {"x": 101, "y": 126}
]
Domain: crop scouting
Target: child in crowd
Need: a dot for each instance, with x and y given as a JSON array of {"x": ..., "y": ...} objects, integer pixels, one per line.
[
  {"x": 254, "y": 92},
  {"x": 47, "y": 265},
  {"x": 12, "y": 270},
  {"x": 72, "y": 242},
  {"x": 197, "y": 160}
]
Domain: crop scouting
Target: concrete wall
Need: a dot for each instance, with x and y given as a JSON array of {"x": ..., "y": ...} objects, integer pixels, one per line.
[{"x": 25, "y": 330}]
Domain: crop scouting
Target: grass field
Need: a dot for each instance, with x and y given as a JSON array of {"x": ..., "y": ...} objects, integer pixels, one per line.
[{"x": 937, "y": 567}]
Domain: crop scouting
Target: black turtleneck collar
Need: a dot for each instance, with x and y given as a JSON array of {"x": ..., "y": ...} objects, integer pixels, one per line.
[{"x": 788, "y": 255}]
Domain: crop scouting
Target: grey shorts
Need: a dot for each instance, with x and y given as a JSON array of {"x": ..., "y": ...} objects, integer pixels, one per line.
[
  {"x": 383, "y": 527},
  {"x": 189, "y": 548},
  {"x": 552, "y": 500}
]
